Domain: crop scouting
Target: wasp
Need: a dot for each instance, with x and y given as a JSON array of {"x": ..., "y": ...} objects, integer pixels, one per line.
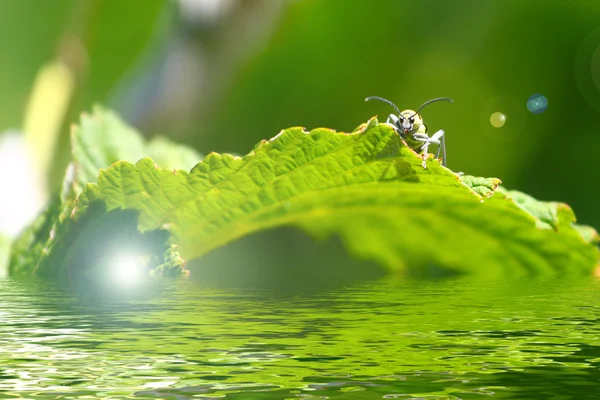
[{"x": 411, "y": 128}]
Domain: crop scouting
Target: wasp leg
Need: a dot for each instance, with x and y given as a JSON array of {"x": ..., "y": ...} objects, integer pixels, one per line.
[
  {"x": 421, "y": 137},
  {"x": 440, "y": 139},
  {"x": 394, "y": 123},
  {"x": 437, "y": 138},
  {"x": 443, "y": 146}
]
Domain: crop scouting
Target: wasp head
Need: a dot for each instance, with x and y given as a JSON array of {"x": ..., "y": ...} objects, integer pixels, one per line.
[{"x": 409, "y": 122}]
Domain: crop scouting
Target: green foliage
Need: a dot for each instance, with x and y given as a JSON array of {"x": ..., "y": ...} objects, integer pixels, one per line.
[
  {"x": 31, "y": 34},
  {"x": 31, "y": 246},
  {"x": 102, "y": 139},
  {"x": 550, "y": 214},
  {"x": 367, "y": 187},
  {"x": 485, "y": 187}
]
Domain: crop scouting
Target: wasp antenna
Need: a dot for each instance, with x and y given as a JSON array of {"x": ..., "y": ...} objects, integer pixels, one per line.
[
  {"x": 384, "y": 100},
  {"x": 433, "y": 101}
]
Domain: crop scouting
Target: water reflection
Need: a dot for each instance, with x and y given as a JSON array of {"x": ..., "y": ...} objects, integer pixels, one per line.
[{"x": 387, "y": 339}]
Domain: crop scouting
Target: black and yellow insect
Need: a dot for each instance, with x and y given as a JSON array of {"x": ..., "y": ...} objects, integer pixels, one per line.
[{"x": 410, "y": 126}]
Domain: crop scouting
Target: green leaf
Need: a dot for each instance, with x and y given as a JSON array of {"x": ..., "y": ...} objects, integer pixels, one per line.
[
  {"x": 550, "y": 214},
  {"x": 485, "y": 187},
  {"x": 100, "y": 140},
  {"x": 103, "y": 138},
  {"x": 31, "y": 246},
  {"x": 366, "y": 186}
]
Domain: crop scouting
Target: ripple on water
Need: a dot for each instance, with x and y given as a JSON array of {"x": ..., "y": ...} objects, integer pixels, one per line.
[{"x": 443, "y": 339}]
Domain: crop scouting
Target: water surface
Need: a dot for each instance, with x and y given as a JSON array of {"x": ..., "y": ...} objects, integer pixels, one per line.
[{"x": 445, "y": 339}]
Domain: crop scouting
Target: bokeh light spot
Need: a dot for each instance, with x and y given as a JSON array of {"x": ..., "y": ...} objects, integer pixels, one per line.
[
  {"x": 537, "y": 103},
  {"x": 497, "y": 119}
]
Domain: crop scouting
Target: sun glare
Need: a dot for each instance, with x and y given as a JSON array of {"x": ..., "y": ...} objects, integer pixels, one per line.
[{"x": 128, "y": 269}]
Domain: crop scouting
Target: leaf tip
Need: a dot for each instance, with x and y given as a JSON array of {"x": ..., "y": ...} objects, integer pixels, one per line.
[
  {"x": 565, "y": 213},
  {"x": 371, "y": 123}
]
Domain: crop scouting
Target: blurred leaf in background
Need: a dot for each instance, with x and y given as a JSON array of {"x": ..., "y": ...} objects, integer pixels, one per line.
[
  {"x": 121, "y": 41},
  {"x": 59, "y": 58},
  {"x": 29, "y": 32}
]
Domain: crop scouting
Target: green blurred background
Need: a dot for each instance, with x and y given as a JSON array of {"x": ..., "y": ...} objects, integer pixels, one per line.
[{"x": 222, "y": 75}]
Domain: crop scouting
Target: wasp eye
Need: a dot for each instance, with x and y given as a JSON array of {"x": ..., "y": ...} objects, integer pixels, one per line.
[{"x": 412, "y": 120}]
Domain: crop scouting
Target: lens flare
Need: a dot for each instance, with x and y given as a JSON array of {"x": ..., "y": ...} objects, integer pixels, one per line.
[
  {"x": 497, "y": 120},
  {"x": 128, "y": 269},
  {"x": 537, "y": 103}
]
